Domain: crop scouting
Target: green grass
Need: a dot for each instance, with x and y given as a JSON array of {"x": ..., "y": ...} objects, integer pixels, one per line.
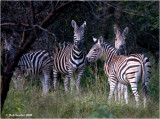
[{"x": 92, "y": 101}]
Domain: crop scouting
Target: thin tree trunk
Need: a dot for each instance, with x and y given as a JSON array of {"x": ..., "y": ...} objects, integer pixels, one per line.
[{"x": 6, "y": 77}]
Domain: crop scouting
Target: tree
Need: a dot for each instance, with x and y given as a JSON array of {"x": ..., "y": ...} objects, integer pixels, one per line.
[{"x": 29, "y": 36}]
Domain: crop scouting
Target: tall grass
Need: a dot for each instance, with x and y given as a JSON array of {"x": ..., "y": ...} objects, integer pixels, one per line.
[{"x": 90, "y": 102}]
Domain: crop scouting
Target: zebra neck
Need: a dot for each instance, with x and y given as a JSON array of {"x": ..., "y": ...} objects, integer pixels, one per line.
[
  {"x": 109, "y": 51},
  {"x": 77, "y": 53},
  {"x": 77, "y": 58}
]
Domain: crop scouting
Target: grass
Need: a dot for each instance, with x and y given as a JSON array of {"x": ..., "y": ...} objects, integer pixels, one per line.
[{"x": 91, "y": 102}]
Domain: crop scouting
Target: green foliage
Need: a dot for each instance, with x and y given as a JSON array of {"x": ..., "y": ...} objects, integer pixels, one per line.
[
  {"x": 154, "y": 81},
  {"x": 101, "y": 112},
  {"x": 147, "y": 18}
]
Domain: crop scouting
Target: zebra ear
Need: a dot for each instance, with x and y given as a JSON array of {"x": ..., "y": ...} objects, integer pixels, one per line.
[
  {"x": 74, "y": 24},
  {"x": 94, "y": 39},
  {"x": 84, "y": 24},
  {"x": 116, "y": 30},
  {"x": 125, "y": 32},
  {"x": 100, "y": 40}
]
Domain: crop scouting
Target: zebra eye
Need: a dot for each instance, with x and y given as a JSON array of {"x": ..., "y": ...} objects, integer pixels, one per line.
[
  {"x": 75, "y": 37},
  {"x": 95, "y": 50}
]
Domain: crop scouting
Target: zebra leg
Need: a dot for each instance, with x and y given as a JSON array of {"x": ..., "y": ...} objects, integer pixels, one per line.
[
  {"x": 42, "y": 81},
  {"x": 55, "y": 76},
  {"x": 122, "y": 92},
  {"x": 135, "y": 92},
  {"x": 66, "y": 83},
  {"x": 126, "y": 93},
  {"x": 145, "y": 100},
  {"x": 113, "y": 84},
  {"x": 47, "y": 79},
  {"x": 116, "y": 93},
  {"x": 79, "y": 79},
  {"x": 71, "y": 82},
  {"x": 119, "y": 92},
  {"x": 145, "y": 93}
]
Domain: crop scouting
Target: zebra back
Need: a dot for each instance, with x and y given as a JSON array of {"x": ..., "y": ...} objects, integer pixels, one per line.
[{"x": 36, "y": 62}]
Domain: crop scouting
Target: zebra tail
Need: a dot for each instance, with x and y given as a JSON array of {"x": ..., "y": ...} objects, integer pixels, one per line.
[{"x": 144, "y": 87}]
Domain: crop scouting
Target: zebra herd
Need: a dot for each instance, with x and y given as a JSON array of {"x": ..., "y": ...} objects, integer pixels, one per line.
[{"x": 121, "y": 69}]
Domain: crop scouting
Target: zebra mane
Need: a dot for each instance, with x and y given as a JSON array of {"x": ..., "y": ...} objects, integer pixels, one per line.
[
  {"x": 107, "y": 44},
  {"x": 108, "y": 47},
  {"x": 61, "y": 46}
]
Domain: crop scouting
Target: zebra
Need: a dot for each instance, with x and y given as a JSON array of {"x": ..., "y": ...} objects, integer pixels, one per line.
[
  {"x": 70, "y": 59},
  {"x": 34, "y": 63},
  {"x": 124, "y": 69},
  {"x": 120, "y": 45}
]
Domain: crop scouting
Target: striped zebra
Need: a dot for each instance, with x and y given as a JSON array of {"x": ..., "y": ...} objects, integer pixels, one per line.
[
  {"x": 127, "y": 70},
  {"x": 120, "y": 45},
  {"x": 35, "y": 63},
  {"x": 70, "y": 59}
]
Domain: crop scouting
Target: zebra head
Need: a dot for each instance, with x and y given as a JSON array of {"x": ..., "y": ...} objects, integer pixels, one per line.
[
  {"x": 120, "y": 37},
  {"x": 10, "y": 50},
  {"x": 78, "y": 34},
  {"x": 96, "y": 51},
  {"x": 8, "y": 44}
]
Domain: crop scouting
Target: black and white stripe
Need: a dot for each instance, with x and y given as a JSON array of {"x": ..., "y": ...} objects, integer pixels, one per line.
[
  {"x": 35, "y": 63},
  {"x": 70, "y": 58},
  {"x": 124, "y": 69},
  {"x": 121, "y": 90},
  {"x": 120, "y": 45}
]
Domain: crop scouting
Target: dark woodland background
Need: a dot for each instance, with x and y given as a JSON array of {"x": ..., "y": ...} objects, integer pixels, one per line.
[{"x": 42, "y": 25}]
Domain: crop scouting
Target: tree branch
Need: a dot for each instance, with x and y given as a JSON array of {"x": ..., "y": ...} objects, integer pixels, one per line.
[
  {"x": 41, "y": 7},
  {"x": 52, "y": 14},
  {"x": 33, "y": 26},
  {"x": 24, "y": 34},
  {"x": 32, "y": 13},
  {"x": 14, "y": 24},
  {"x": 46, "y": 31}
]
